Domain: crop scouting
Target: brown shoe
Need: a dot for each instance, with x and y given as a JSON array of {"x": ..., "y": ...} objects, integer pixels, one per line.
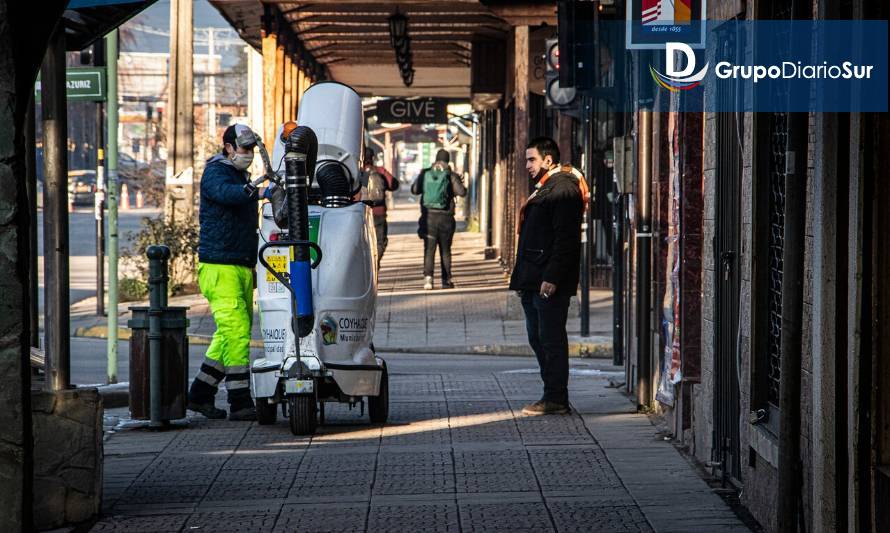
[{"x": 543, "y": 407}]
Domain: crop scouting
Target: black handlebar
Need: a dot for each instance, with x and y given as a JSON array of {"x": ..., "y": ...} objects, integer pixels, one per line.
[{"x": 274, "y": 244}]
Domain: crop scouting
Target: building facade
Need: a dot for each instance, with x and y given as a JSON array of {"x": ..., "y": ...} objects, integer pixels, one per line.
[{"x": 760, "y": 331}]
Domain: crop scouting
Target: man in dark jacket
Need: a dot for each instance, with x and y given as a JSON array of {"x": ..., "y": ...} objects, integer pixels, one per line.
[
  {"x": 227, "y": 251},
  {"x": 548, "y": 266},
  {"x": 379, "y": 182},
  {"x": 437, "y": 187}
]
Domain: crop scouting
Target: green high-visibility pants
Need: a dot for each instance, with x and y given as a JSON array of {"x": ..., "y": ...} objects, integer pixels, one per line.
[{"x": 229, "y": 290}]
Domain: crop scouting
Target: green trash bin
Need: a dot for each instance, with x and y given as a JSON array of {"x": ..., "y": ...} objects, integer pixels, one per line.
[{"x": 174, "y": 363}]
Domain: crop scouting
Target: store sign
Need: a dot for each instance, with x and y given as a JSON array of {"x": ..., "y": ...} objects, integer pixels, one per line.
[
  {"x": 412, "y": 111},
  {"x": 651, "y": 24},
  {"x": 83, "y": 84}
]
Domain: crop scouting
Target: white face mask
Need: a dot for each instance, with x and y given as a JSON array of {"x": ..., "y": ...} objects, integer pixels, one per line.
[{"x": 242, "y": 161}]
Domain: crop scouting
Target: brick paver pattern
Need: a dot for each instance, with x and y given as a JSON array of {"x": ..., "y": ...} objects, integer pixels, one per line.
[{"x": 456, "y": 455}]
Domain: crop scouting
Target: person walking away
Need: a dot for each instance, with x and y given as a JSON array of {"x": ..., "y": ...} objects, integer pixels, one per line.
[
  {"x": 380, "y": 181},
  {"x": 227, "y": 250},
  {"x": 548, "y": 266},
  {"x": 438, "y": 186}
]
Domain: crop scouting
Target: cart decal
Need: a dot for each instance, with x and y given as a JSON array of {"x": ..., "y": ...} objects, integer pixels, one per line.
[{"x": 328, "y": 330}]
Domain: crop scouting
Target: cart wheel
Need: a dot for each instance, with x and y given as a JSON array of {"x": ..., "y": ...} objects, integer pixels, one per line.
[
  {"x": 266, "y": 412},
  {"x": 301, "y": 408},
  {"x": 378, "y": 406}
]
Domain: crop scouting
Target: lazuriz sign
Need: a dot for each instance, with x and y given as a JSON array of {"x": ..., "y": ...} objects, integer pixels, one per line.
[{"x": 412, "y": 110}]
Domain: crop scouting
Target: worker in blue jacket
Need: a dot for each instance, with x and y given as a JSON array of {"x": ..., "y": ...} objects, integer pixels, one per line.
[{"x": 227, "y": 251}]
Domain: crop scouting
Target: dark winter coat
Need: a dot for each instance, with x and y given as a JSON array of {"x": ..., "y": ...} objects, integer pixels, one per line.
[
  {"x": 228, "y": 216},
  {"x": 549, "y": 246}
]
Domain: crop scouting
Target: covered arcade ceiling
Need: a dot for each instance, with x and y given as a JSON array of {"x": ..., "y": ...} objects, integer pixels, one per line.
[{"x": 351, "y": 38}]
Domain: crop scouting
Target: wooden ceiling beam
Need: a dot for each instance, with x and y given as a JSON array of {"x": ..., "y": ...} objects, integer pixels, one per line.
[
  {"x": 413, "y": 18},
  {"x": 380, "y": 45},
  {"x": 442, "y": 62},
  {"x": 412, "y": 30},
  {"x": 464, "y": 36}
]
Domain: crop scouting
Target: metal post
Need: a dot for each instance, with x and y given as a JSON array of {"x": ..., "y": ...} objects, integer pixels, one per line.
[
  {"x": 618, "y": 280},
  {"x": 100, "y": 213},
  {"x": 31, "y": 191},
  {"x": 644, "y": 252},
  {"x": 111, "y": 116},
  {"x": 586, "y": 226},
  {"x": 157, "y": 294},
  {"x": 55, "y": 214}
]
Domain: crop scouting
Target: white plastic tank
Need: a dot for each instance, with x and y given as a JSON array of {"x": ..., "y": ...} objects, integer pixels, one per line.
[{"x": 334, "y": 112}]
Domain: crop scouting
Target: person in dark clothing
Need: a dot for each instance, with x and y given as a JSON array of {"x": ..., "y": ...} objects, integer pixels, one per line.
[
  {"x": 548, "y": 266},
  {"x": 379, "y": 182},
  {"x": 437, "y": 187},
  {"x": 227, "y": 249}
]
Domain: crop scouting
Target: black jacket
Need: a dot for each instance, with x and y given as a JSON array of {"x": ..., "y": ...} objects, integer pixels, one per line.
[
  {"x": 549, "y": 246},
  {"x": 455, "y": 188},
  {"x": 228, "y": 216}
]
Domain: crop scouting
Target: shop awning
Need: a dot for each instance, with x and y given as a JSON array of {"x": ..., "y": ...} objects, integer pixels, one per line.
[{"x": 88, "y": 20}]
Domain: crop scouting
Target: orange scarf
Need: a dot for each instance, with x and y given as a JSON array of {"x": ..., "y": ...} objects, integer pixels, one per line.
[{"x": 568, "y": 169}]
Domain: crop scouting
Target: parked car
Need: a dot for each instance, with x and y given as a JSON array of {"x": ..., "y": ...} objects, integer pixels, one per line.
[{"x": 82, "y": 186}]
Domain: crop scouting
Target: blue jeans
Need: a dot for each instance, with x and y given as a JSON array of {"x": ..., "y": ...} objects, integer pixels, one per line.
[{"x": 545, "y": 321}]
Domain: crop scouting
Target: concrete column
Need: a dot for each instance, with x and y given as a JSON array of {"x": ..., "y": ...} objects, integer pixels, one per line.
[
  {"x": 255, "y": 90},
  {"x": 18, "y": 69},
  {"x": 55, "y": 216},
  {"x": 287, "y": 95},
  {"x": 294, "y": 90},
  {"x": 856, "y": 478},
  {"x": 520, "y": 125},
  {"x": 298, "y": 89},
  {"x": 302, "y": 84},
  {"x": 279, "y": 81},
  {"x": 270, "y": 43},
  {"x": 824, "y": 287},
  {"x": 180, "y": 110},
  {"x": 16, "y": 450}
]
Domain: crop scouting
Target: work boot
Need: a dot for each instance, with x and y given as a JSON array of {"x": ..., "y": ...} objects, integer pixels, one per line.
[
  {"x": 544, "y": 407},
  {"x": 428, "y": 283},
  {"x": 208, "y": 410},
  {"x": 245, "y": 414}
]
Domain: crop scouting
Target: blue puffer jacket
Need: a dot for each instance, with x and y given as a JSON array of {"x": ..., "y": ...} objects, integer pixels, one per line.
[{"x": 228, "y": 216}]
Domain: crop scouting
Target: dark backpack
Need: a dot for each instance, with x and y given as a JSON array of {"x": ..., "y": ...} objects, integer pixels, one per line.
[
  {"x": 435, "y": 188},
  {"x": 376, "y": 188}
]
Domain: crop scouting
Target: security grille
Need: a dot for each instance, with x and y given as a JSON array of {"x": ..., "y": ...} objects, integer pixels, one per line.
[
  {"x": 778, "y": 146},
  {"x": 727, "y": 277}
]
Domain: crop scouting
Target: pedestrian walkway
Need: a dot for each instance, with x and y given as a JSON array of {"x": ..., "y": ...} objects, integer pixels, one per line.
[
  {"x": 479, "y": 316},
  {"x": 456, "y": 455}
]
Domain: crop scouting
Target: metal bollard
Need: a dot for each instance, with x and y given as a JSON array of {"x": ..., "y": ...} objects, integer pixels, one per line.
[{"x": 157, "y": 300}]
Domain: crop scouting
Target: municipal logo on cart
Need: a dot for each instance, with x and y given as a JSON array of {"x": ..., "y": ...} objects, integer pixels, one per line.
[{"x": 328, "y": 327}]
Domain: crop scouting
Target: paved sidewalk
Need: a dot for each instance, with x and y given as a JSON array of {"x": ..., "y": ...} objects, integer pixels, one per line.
[
  {"x": 479, "y": 316},
  {"x": 456, "y": 455}
]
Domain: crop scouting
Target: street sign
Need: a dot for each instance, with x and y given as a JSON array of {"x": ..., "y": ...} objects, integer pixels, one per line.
[
  {"x": 83, "y": 84},
  {"x": 412, "y": 110}
]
